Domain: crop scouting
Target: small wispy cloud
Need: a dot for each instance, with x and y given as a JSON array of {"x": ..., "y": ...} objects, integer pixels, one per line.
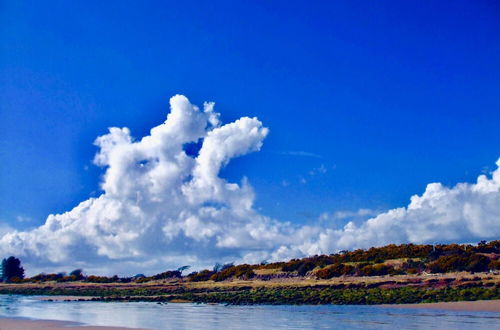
[
  {"x": 305, "y": 178},
  {"x": 23, "y": 219},
  {"x": 338, "y": 219},
  {"x": 285, "y": 183},
  {"x": 300, "y": 154},
  {"x": 319, "y": 170},
  {"x": 347, "y": 214}
]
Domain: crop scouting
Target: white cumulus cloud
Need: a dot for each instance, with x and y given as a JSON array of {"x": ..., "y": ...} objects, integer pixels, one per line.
[
  {"x": 163, "y": 207},
  {"x": 467, "y": 212}
]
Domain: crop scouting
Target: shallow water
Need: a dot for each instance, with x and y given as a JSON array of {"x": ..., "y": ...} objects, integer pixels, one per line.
[{"x": 194, "y": 316}]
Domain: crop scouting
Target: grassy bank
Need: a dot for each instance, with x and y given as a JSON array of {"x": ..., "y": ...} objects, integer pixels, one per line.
[
  {"x": 380, "y": 290},
  {"x": 343, "y": 296},
  {"x": 391, "y": 274}
]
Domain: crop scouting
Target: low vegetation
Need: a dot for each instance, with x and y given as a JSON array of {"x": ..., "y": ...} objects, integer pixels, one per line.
[
  {"x": 389, "y": 274},
  {"x": 413, "y": 259}
]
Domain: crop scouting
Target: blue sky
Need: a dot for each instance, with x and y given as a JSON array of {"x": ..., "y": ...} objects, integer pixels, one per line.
[{"x": 383, "y": 97}]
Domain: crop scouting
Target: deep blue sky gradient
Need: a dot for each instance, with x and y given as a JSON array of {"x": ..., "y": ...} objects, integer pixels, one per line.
[{"x": 390, "y": 95}]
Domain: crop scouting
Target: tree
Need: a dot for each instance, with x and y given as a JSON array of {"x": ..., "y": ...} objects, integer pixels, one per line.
[
  {"x": 220, "y": 267},
  {"x": 76, "y": 275},
  {"x": 11, "y": 269},
  {"x": 183, "y": 268},
  {"x": 217, "y": 267}
]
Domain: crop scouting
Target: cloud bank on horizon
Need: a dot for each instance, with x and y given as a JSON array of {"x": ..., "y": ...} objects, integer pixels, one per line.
[{"x": 163, "y": 206}]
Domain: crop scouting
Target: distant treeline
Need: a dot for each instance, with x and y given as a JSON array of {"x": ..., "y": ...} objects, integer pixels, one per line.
[{"x": 387, "y": 260}]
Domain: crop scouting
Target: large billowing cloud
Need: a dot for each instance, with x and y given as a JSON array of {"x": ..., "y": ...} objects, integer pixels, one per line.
[
  {"x": 164, "y": 205},
  {"x": 463, "y": 213}
]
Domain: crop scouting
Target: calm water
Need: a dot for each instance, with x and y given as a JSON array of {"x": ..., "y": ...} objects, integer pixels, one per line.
[{"x": 192, "y": 316}]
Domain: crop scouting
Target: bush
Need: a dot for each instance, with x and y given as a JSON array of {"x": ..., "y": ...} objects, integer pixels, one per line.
[
  {"x": 491, "y": 247},
  {"x": 292, "y": 265},
  {"x": 143, "y": 279},
  {"x": 16, "y": 279},
  {"x": 494, "y": 265},
  {"x": 413, "y": 267},
  {"x": 305, "y": 268},
  {"x": 102, "y": 279},
  {"x": 203, "y": 275},
  {"x": 301, "y": 266},
  {"x": 335, "y": 271},
  {"x": 455, "y": 263},
  {"x": 42, "y": 277},
  {"x": 376, "y": 270},
  {"x": 477, "y": 263},
  {"x": 168, "y": 274},
  {"x": 241, "y": 271}
]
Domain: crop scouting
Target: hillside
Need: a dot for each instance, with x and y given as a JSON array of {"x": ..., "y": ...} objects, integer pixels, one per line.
[{"x": 404, "y": 273}]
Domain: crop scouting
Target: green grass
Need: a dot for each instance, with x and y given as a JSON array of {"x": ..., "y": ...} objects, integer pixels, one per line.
[{"x": 272, "y": 295}]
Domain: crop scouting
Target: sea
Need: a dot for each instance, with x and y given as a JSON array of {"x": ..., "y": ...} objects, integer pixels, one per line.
[{"x": 205, "y": 316}]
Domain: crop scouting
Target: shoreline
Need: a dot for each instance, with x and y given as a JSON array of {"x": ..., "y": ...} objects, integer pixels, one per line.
[
  {"x": 492, "y": 306},
  {"x": 14, "y": 323},
  {"x": 471, "y": 306},
  {"x": 20, "y": 323}
]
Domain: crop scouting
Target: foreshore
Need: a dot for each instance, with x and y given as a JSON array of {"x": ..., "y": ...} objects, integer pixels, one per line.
[
  {"x": 24, "y": 324},
  {"x": 472, "y": 306},
  {"x": 479, "y": 306}
]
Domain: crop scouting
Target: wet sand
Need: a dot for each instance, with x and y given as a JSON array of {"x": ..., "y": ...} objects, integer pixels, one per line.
[
  {"x": 473, "y": 306},
  {"x": 22, "y": 324}
]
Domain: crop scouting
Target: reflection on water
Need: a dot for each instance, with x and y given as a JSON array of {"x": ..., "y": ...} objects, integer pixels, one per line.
[{"x": 193, "y": 316}]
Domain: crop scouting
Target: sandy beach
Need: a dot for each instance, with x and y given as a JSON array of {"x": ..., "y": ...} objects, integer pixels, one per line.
[
  {"x": 474, "y": 306},
  {"x": 21, "y": 324}
]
